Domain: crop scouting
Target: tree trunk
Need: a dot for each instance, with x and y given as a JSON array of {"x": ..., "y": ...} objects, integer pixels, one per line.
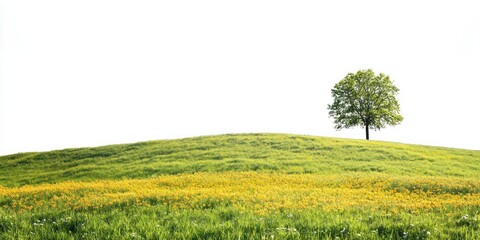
[{"x": 366, "y": 132}]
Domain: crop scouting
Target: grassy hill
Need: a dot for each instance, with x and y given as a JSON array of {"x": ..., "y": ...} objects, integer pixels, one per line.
[
  {"x": 242, "y": 186},
  {"x": 278, "y": 153}
]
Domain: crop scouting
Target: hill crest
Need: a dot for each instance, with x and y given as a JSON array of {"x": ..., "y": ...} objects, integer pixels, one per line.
[{"x": 284, "y": 153}]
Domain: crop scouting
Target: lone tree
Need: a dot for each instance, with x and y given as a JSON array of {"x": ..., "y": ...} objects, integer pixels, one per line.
[{"x": 365, "y": 99}]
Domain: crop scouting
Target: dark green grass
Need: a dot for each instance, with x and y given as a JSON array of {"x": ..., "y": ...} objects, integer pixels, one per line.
[
  {"x": 240, "y": 152},
  {"x": 223, "y": 222}
]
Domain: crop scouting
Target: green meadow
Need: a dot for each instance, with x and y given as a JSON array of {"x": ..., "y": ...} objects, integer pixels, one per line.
[{"x": 35, "y": 205}]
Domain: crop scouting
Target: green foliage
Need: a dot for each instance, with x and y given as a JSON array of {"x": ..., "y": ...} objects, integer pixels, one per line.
[
  {"x": 225, "y": 222},
  {"x": 241, "y": 152},
  {"x": 365, "y": 99}
]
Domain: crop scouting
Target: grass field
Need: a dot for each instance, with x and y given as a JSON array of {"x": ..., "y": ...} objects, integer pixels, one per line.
[{"x": 247, "y": 186}]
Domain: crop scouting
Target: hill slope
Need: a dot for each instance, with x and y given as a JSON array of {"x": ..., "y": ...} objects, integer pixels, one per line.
[{"x": 239, "y": 152}]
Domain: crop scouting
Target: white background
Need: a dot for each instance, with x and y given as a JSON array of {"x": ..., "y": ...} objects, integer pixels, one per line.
[{"x": 97, "y": 72}]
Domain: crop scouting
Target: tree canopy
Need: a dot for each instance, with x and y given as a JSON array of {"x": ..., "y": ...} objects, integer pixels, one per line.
[{"x": 365, "y": 99}]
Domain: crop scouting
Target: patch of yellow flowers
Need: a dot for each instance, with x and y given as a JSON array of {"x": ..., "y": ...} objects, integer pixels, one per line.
[{"x": 259, "y": 192}]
